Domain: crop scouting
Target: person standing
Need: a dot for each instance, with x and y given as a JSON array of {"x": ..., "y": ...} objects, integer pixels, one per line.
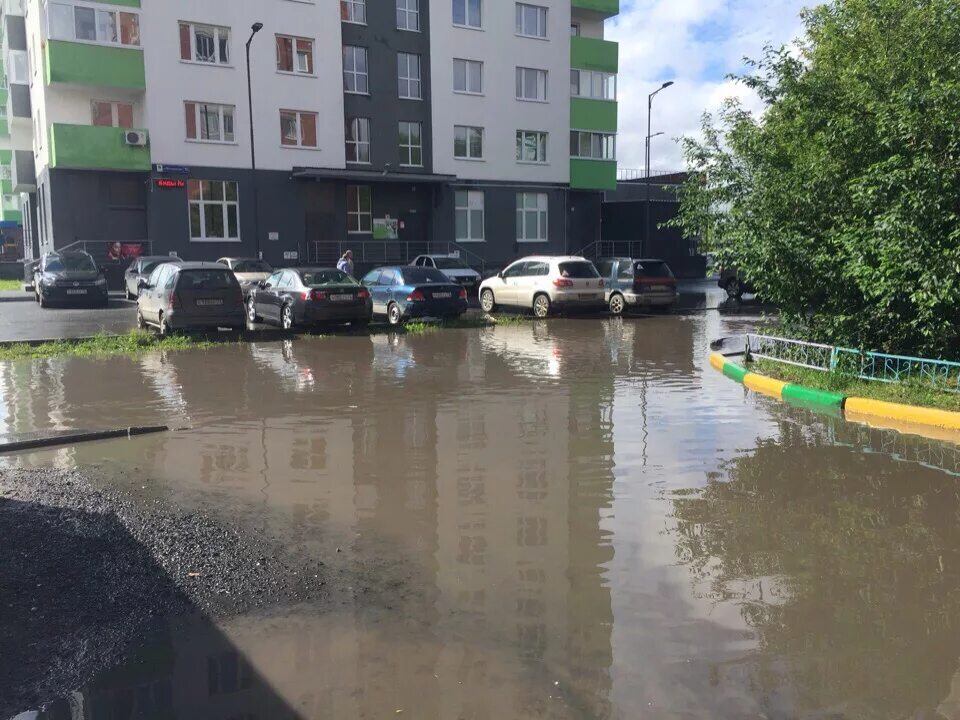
[{"x": 346, "y": 263}]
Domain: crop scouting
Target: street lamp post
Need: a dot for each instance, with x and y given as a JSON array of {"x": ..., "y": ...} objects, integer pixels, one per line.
[
  {"x": 646, "y": 206},
  {"x": 256, "y": 27}
]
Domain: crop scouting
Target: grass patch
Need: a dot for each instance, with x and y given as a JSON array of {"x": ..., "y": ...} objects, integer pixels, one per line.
[
  {"x": 11, "y": 285},
  {"x": 908, "y": 393},
  {"x": 133, "y": 343}
]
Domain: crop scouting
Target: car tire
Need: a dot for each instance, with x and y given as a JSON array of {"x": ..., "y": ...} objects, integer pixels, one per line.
[
  {"x": 252, "y": 316},
  {"x": 163, "y": 329},
  {"x": 617, "y": 304},
  {"x": 394, "y": 314},
  {"x": 541, "y": 306},
  {"x": 286, "y": 317},
  {"x": 488, "y": 302},
  {"x": 141, "y": 323}
]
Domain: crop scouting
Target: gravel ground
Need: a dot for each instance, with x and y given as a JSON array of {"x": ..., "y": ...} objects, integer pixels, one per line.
[{"x": 84, "y": 571}]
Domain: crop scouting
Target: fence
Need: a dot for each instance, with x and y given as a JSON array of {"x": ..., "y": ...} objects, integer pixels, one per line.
[
  {"x": 389, "y": 252},
  {"x": 880, "y": 367}
]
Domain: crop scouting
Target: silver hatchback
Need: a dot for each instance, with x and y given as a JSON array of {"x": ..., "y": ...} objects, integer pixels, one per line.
[
  {"x": 545, "y": 285},
  {"x": 188, "y": 296}
]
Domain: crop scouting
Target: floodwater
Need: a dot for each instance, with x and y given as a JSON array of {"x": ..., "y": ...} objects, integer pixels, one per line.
[{"x": 562, "y": 519}]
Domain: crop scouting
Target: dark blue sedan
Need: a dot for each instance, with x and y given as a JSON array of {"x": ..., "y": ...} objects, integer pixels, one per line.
[{"x": 403, "y": 293}]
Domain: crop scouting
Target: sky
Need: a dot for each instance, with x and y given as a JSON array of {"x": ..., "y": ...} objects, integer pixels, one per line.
[{"x": 695, "y": 43}]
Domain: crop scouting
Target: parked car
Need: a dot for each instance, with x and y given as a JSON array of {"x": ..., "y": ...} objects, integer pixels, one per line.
[
  {"x": 402, "y": 293},
  {"x": 545, "y": 285},
  {"x": 637, "y": 284},
  {"x": 250, "y": 272},
  {"x": 140, "y": 269},
  {"x": 70, "y": 277},
  {"x": 454, "y": 268},
  {"x": 191, "y": 296},
  {"x": 309, "y": 296},
  {"x": 735, "y": 283}
]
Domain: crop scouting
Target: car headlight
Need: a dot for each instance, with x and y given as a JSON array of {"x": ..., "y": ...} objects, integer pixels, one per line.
[
  {"x": 48, "y": 281},
  {"x": 101, "y": 282}
]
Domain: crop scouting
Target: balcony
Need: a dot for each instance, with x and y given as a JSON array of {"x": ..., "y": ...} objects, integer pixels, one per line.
[
  {"x": 604, "y": 8},
  {"x": 91, "y": 147},
  {"x": 94, "y": 65},
  {"x": 593, "y": 174},
  {"x": 593, "y": 54}
]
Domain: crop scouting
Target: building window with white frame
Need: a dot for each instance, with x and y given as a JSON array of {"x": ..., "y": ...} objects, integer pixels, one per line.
[
  {"x": 531, "y": 20},
  {"x": 83, "y": 23},
  {"x": 359, "y": 209},
  {"x": 408, "y": 76},
  {"x": 469, "y": 215},
  {"x": 531, "y": 146},
  {"x": 356, "y": 78},
  {"x": 531, "y": 84},
  {"x": 354, "y": 11},
  {"x": 468, "y": 13},
  {"x": 411, "y": 144},
  {"x": 214, "y": 210},
  {"x": 468, "y": 76},
  {"x": 204, "y": 43},
  {"x": 298, "y": 129},
  {"x": 467, "y": 142},
  {"x": 408, "y": 15},
  {"x": 107, "y": 113},
  {"x": 593, "y": 84},
  {"x": 294, "y": 55},
  {"x": 357, "y": 132},
  {"x": 209, "y": 122},
  {"x": 532, "y": 209},
  {"x": 593, "y": 145}
]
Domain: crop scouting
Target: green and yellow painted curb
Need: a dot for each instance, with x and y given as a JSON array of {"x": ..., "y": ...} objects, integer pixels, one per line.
[{"x": 904, "y": 418}]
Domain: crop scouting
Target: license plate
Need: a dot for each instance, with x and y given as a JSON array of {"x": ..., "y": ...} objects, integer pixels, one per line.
[
  {"x": 587, "y": 296},
  {"x": 442, "y": 296},
  {"x": 215, "y": 301},
  {"x": 341, "y": 298},
  {"x": 659, "y": 288},
  {"x": 76, "y": 292}
]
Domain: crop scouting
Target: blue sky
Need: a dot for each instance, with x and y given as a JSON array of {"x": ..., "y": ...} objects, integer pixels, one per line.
[{"x": 695, "y": 43}]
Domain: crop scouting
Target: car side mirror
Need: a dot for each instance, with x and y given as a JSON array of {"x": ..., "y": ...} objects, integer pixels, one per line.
[
  {"x": 500, "y": 274},
  {"x": 262, "y": 284},
  {"x": 143, "y": 284}
]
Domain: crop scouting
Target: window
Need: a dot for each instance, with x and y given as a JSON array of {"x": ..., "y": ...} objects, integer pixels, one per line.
[
  {"x": 531, "y": 20},
  {"x": 209, "y": 122},
  {"x": 359, "y": 209},
  {"x": 596, "y": 85},
  {"x": 112, "y": 114},
  {"x": 467, "y": 142},
  {"x": 294, "y": 55},
  {"x": 467, "y": 76},
  {"x": 298, "y": 129},
  {"x": 204, "y": 43},
  {"x": 214, "y": 213},
  {"x": 411, "y": 144},
  {"x": 66, "y": 21},
  {"x": 531, "y": 84},
  {"x": 469, "y": 215},
  {"x": 408, "y": 76},
  {"x": 358, "y": 140},
  {"x": 467, "y": 13},
  {"x": 593, "y": 146},
  {"x": 353, "y": 11},
  {"x": 408, "y": 15},
  {"x": 532, "y": 217},
  {"x": 355, "y": 74},
  {"x": 17, "y": 67},
  {"x": 531, "y": 146}
]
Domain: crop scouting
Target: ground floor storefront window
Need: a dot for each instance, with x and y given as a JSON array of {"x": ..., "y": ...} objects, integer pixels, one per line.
[{"x": 214, "y": 210}]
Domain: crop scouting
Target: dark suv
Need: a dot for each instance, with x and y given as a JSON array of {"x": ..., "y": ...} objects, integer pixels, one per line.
[{"x": 69, "y": 278}]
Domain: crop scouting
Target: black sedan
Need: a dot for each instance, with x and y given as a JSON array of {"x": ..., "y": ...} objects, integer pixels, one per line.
[
  {"x": 69, "y": 278},
  {"x": 309, "y": 296}
]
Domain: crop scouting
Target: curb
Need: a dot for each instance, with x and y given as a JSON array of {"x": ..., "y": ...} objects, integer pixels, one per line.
[
  {"x": 71, "y": 438},
  {"x": 904, "y": 418}
]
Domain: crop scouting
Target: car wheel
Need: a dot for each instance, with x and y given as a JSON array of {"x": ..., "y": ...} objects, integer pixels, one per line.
[
  {"x": 541, "y": 306},
  {"x": 617, "y": 304},
  {"x": 286, "y": 317},
  {"x": 487, "y": 302},
  {"x": 252, "y": 316},
  {"x": 734, "y": 289},
  {"x": 163, "y": 328},
  {"x": 141, "y": 323},
  {"x": 394, "y": 316}
]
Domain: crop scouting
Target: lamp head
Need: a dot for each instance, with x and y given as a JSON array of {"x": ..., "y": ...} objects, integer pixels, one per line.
[{"x": 257, "y": 27}]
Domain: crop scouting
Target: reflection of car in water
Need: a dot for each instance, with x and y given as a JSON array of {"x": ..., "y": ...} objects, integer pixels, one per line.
[{"x": 735, "y": 283}]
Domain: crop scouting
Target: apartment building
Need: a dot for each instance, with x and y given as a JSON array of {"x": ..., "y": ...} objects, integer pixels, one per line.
[{"x": 480, "y": 126}]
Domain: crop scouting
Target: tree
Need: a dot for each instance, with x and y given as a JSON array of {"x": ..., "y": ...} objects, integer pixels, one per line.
[{"x": 840, "y": 201}]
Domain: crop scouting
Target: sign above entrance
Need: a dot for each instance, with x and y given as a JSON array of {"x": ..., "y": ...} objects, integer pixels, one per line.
[
  {"x": 171, "y": 169},
  {"x": 170, "y": 183}
]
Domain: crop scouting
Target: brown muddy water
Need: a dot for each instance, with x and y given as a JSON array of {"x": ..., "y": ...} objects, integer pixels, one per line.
[{"x": 568, "y": 519}]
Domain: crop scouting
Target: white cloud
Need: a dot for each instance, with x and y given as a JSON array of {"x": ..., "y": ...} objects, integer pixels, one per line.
[{"x": 695, "y": 43}]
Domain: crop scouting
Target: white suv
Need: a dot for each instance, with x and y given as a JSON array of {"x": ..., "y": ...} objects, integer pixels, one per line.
[{"x": 545, "y": 284}]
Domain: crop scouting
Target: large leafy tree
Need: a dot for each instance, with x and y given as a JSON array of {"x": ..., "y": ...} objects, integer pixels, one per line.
[{"x": 841, "y": 200}]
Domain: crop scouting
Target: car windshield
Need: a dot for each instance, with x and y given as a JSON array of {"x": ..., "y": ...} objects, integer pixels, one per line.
[
  {"x": 319, "y": 278},
  {"x": 448, "y": 264},
  {"x": 653, "y": 268},
  {"x": 580, "y": 270},
  {"x": 252, "y": 266},
  {"x": 204, "y": 279},
  {"x": 418, "y": 276},
  {"x": 71, "y": 262}
]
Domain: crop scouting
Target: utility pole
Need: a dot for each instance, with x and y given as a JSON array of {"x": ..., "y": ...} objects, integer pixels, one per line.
[
  {"x": 645, "y": 245},
  {"x": 256, "y": 27}
]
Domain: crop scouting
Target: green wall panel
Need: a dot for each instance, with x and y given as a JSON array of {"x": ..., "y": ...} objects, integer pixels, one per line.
[
  {"x": 4, "y": 128},
  {"x": 14, "y": 215},
  {"x": 593, "y": 174},
  {"x": 91, "y": 147},
  {"x": 607, "y": 7},
  {"x": 6, "y": 157},
  {"x": 600, "y": 115},
  {"x": 79, "y": 63},
  {"x": 592, "y": 54},
  {"x": 6, "y": 187}
]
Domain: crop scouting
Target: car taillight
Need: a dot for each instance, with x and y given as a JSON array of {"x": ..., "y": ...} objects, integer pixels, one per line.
[
  {"x": 171, "y": 300},
  {"x": 463, "y": 294},
  {"x": 416, "y": 296},
  {"x": 315, "y": 295},
  {"x": 562, "y": 282},
  {"x": 363, "y": 295}
]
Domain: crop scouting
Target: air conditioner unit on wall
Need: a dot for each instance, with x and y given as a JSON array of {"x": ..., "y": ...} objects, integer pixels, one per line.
[{"x": 136, "y": 138}]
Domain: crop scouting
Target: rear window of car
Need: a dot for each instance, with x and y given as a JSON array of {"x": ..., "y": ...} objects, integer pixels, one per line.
[
  {"x": 448, "y": 264},
  {"x": 416, "y": 276},
  {"x": 326, "y": 277},
  {"x": 252, "y": 266},
  {"x": 206, "y": 280},
  {"x": 647, "y": 268},
  {"x": 578, "y": 270}
]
